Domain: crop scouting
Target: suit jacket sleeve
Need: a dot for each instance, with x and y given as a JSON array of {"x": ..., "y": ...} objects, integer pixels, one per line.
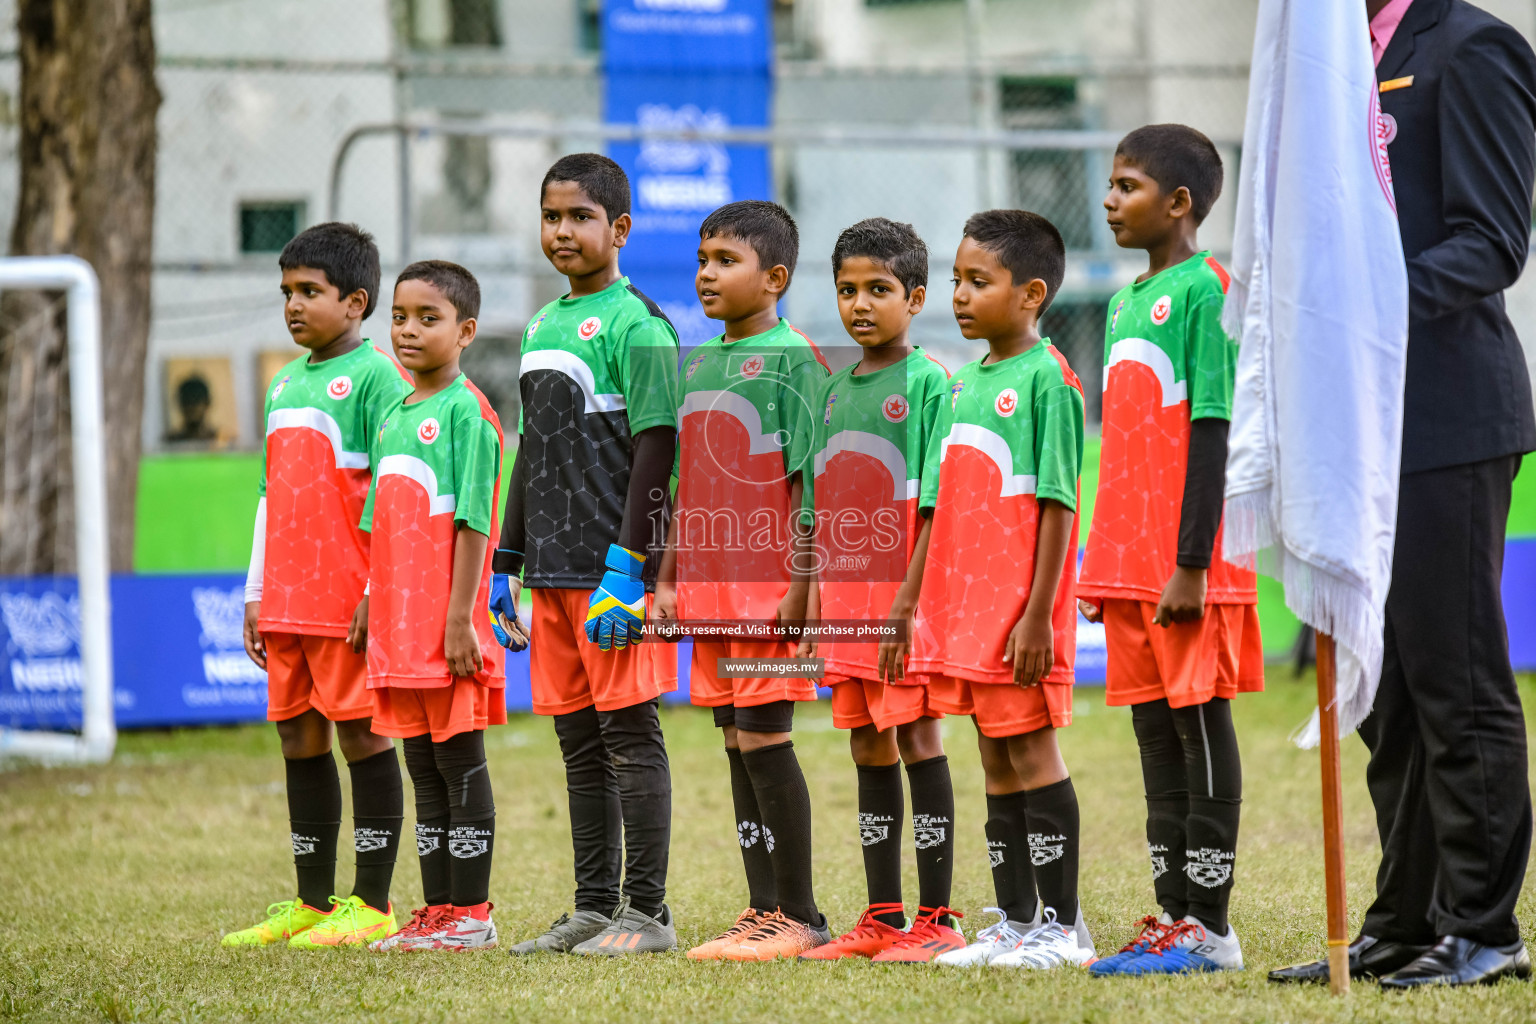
[{"x": 1488, "y": 147}]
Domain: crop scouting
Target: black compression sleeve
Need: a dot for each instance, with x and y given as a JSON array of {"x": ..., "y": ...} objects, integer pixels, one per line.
[
  {"x": 510, "y": 551},
  {"x": 1204, "y": 483},
  {"x": 644, "y": 527}
]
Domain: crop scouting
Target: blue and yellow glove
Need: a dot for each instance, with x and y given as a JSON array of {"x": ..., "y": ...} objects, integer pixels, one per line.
[
  {"x": 503, "y": 606},
  {"x": 617, "y": 609}
]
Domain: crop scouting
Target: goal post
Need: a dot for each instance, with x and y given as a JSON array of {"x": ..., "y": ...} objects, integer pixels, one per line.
[{"x": 98, "y": 729}]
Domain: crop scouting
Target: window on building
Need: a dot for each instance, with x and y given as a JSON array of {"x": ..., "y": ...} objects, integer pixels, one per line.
[
  {"x": 1053, "y": 182},
  {"x": 589, "y": 27},
  {"x": 436, "y": 23},
  {"x": 266, "y": 227}
]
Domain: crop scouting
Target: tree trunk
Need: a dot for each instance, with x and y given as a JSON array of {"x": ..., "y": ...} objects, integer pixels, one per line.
[{"x": 87, "y": 111}]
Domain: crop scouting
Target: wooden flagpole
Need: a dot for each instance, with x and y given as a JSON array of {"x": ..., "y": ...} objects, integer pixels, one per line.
[{"x": 1333, "y": 818}]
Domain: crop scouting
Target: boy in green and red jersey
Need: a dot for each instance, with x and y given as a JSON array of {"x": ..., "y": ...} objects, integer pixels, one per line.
[
  {"x": 1180, "y": 621},
  {"x": 744, "y": 435},
  {"x": 435, "y": 669},
  {"x": 309, "y": 565},
  {"x": 998, "y": 608},
  {"x": 878, "y": 419}
]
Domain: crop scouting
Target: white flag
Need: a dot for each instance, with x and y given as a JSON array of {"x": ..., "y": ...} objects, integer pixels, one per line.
[{"x": 1319, "y": 300}]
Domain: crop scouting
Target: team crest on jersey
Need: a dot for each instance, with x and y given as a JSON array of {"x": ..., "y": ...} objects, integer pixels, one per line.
[
  {"x": 428, "y": 430},
  {"x": 280, "y": 386},
  {"x": 826, "y": 420},
  {"x": 693, "y": 366},
  {"x": 589, "y": 328},
  {"x": 1007, "y": 402},
  {"x": 751, "y": 366},
  {"x": 954, "y": 392},
  {"x": 895, "y": 408},
  {"x": 1114, "y": 318},
  {"x": 535, "y": 325},
  {"x": 1162, "y": 309},
  {"x": 339, "y": 387}
]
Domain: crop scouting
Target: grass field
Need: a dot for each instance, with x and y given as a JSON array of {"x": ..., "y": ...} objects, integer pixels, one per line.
[{"x": 119, "y": 880}]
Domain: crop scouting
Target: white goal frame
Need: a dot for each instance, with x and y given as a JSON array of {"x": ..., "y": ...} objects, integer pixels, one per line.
[{"x": 98, "y": 731}]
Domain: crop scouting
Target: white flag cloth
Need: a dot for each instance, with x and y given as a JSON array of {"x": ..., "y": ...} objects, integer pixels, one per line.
[{"x": 1319, "y": 301}]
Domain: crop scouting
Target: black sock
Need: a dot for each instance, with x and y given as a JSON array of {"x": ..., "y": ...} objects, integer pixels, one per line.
[
  {"x": 1214, "y": 774},
  {"x": 378, "y": 811},
  {"x": 933, "y": 832},
  {"x": 597, "y": 823},
  {"x": 762, "y": 894},
  {"x": 785, "y": 801},
  {"x": 471, "y": 816},
  {"x": 1163, "y": 778},
  {"x": 314, "y": 821},
  {"x": 881, "y": 809},
  {"x": 431, "y": 819},
  {"x": 1013, "y": 876},
  {"x": 639, "y": 754},
  {"x": 1053, "y": 837}
]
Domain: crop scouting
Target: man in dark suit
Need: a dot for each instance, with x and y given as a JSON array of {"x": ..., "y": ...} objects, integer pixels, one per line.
[{"x": 1448, "y": 771}]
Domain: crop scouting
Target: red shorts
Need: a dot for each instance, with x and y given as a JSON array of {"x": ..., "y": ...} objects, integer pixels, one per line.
[
  {"x": 1220, "y": 654},
  {"x": 442, "y": 711},
  {"x": 707, "y": 689},
  {"x": 860, "y": 702},
  {"x": 1003, "y": 709},
  {"x": 320, "y": 672},
  {"x": 568, "y": 672}
]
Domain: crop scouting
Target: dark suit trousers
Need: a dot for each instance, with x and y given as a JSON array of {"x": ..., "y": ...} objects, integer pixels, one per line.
[{"x": 1447, "y": 735}]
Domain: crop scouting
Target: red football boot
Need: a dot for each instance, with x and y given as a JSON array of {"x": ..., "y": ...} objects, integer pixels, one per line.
[
  {"x": 869, "y": 937},
  {"x": 925, "y": 940}
]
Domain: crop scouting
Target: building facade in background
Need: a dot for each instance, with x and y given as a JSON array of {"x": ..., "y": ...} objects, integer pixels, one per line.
[{"x": 261, "y": 97}]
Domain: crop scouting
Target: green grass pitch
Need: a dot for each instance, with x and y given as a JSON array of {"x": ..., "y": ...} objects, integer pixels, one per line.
[{"x": 118, "y": 881}]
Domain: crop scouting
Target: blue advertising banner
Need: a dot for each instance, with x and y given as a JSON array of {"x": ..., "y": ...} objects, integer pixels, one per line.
[
  {"x": 685, "y": 65},
  {"x": 698, "y": 35}
]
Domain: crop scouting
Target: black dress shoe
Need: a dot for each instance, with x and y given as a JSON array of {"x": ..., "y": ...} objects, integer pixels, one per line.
[
  {"x": 1369, "y": 957},
  {"x": 1458, "y": 961}
]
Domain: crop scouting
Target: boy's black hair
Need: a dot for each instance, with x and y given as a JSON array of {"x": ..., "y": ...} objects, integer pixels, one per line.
[
  {"x": 1026, "y": 243},
  {"x": 604, "y": 181},
  {"x": 345, "y": 252},
  {"x": 458, "y": 285},
  {"x": 892, "y": 244},
  {"x": 766, "y": 227},
  {"x": 1173, "y": 155}
]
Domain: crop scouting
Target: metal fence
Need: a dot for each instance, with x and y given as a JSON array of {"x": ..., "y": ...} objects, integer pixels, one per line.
[{"x": 441, "y": 156}]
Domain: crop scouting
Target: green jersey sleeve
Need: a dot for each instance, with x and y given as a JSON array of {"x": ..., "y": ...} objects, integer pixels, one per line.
[
  {"x": 933, "y": 455},
  {"x": 1058, "y": 444},
  {"x": 803, "y": 380},
  {"x": 1211, "y": 369},
  {"x": 385, "y": 389},
  {"x": 476, "y": 469},
  {"x": 646, "y": 368},
  {"x": 366, "y": 522},
  {"x": 266, "y": 411},
  {"x": 817, "y": 444},
  {"x": 930, "y": 417}
]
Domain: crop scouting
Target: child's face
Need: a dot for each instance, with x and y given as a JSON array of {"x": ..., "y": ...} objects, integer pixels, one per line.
[
  {"x": 1138, "y": 211},
  {"x": 875, "y": 307},
  {"x": 731, "y": 282},
  {"x": 577, "y": 237},
  {"x": 425, "y": 329},
  {"x": 987, "y": 303},
  {"x": 315, "y": 310}
]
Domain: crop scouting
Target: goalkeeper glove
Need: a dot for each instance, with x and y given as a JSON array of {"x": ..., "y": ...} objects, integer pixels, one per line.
[
  {"x": 503, "y": 604},
  {"x": 617, "y": 609}
]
